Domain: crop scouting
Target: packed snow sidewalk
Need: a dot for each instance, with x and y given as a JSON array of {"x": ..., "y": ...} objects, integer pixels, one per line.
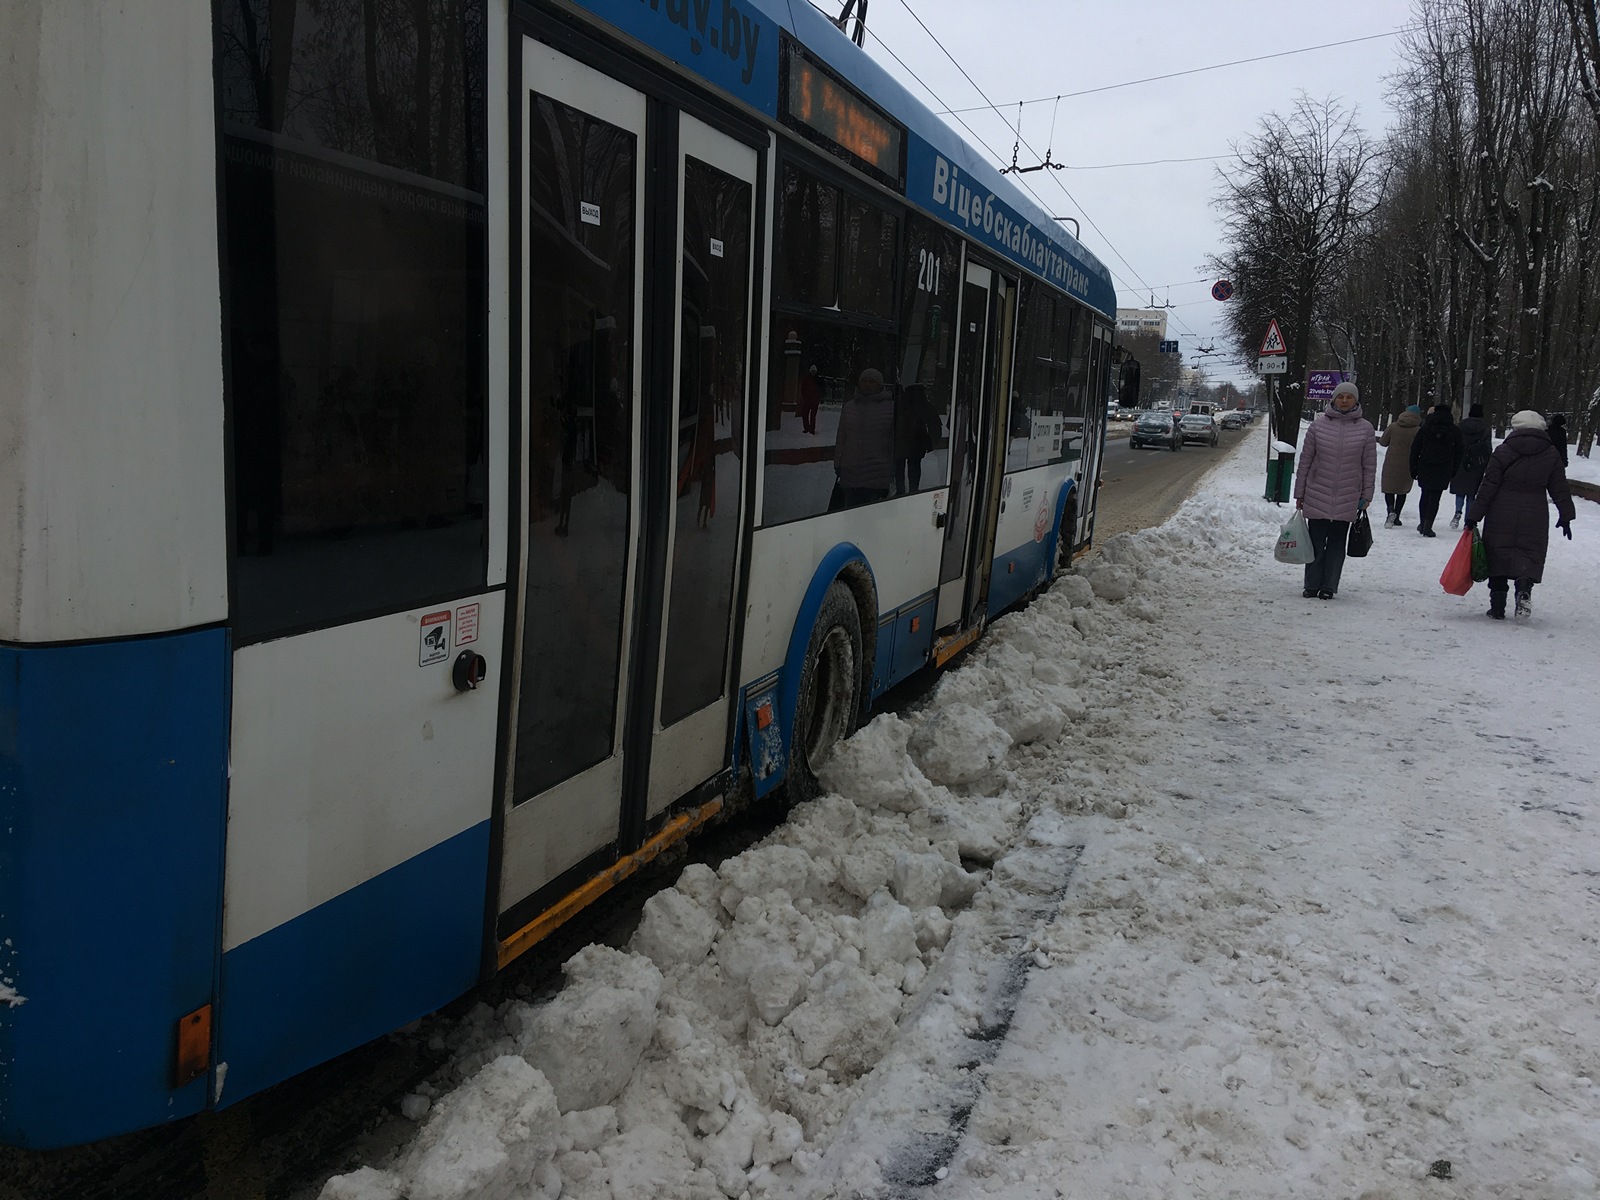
[{"x": 1190, "y": 888}]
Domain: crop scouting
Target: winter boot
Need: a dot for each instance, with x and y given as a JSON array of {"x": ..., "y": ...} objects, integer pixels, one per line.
[
  {"x": 1524, "y": 600},
  {"x": 1497, "y": 602},
  {"x": 1455, "y": 521}
]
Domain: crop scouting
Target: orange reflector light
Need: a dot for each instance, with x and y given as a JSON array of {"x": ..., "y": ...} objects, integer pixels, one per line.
[
  {"x": 763, "y": 716},
  {"x": 916, "y": 624},
  {"x": 194, "y": 1046}
]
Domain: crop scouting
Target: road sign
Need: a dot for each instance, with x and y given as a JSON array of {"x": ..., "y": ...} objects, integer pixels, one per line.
[
  {"x": 1273, "y": 343},
  {"x": 1275, "y": 364},
  {"x": 1221, "y": 289},
  {"x": 1170, "y": 347}
]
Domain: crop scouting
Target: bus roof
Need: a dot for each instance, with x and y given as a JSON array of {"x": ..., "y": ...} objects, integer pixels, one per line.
[{"x": 734, "y": 45}]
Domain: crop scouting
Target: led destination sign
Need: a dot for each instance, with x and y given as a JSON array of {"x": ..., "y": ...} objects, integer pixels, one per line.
[{"x": 838, "y": 117}]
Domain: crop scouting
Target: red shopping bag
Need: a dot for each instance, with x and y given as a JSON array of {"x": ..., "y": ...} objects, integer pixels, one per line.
[{"x": 1457, "y": 577}]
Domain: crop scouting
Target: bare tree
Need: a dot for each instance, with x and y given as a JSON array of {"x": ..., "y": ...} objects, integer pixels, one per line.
[{"x": 1291, "y": 211}]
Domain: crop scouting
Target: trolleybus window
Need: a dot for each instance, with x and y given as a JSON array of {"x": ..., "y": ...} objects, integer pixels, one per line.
[
  {"x": 831, "y": 394},
  {"x": 808, "y": 241},
  {"x": 1048, "y": 398},
  {"x": 354, "y": 234},
  {"x": 928, "y": 288}
]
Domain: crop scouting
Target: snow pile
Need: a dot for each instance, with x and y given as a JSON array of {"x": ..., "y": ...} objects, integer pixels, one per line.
[
  {"x": 718, "y": 1052},
  {"x": 1326, "y": 930}
]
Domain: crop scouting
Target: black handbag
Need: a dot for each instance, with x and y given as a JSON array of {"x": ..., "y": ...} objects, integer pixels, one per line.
[{"x": 1360, "y": 537}]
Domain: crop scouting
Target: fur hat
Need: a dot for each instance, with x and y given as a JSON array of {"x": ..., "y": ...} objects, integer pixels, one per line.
[
  {"x": 1527, "y": 419},
  {"x": 1346, "y": 386},
  {"x": 1475, "y": 411},
  {"x": 872, "y": 381}
]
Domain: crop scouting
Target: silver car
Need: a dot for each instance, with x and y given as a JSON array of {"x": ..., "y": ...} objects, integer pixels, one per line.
[{"x": 1199, "y": 427}]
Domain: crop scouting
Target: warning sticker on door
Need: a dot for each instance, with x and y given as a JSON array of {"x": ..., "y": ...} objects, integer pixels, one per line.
[
  {"x": 466, "y": 624},
  {"x": 435, "y": 645}
]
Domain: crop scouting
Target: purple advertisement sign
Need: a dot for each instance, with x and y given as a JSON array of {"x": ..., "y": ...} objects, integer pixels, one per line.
[{"x": 1320, "y": 384}]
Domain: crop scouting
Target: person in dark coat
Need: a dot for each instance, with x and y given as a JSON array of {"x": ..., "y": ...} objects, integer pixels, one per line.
[
  {"x": 863, "y": 455},
  {"x": 1512, "y": 506},
  {"x": 1436, "y": 455},
  {"x": 1478, "y": 439},
  {"x": 1556, "y": 426}
]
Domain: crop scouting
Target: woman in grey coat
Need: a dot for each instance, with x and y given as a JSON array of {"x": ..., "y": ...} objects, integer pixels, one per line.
[{"x": 1511, "y": 503}]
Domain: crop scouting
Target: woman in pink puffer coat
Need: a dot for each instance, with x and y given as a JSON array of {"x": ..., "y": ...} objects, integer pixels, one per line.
[{"x": 1333, "y": 484}]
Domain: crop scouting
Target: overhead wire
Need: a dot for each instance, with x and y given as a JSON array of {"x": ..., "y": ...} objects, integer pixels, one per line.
[
  {"x": 1065, "y": 190},
  {"x": 1237, "y": 62},
  {"x": 978, "y": 137}
]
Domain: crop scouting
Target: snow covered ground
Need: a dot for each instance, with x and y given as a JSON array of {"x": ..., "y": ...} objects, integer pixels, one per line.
[{"x": 1182, "y": 886}]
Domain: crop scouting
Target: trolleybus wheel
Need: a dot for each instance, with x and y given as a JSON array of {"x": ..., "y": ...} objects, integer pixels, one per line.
[
  {"x": 829, "y": 702},
  {"x": 1065, "y": 536}
]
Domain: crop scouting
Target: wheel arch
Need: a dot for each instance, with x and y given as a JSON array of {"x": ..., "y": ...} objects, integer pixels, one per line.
[
  {"x": 845, "y": 563},
  {"x": 1067, "y": 500}
]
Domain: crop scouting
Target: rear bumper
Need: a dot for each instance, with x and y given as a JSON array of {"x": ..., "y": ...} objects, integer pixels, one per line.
[{"x": 112, "y": 800}]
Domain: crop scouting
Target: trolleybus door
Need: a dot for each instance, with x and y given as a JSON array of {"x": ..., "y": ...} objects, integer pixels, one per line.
[
  {"x": 994, "y": 458},
  {"x": 972, "y": 346},
  {"x": 716, "y": 219},
  {"x": 1093, "y": 433},
  {"x": 582, "y": 272}
]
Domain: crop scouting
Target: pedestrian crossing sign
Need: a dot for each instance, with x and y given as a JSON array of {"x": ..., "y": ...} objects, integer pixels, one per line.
[{"x": 1273, "y": 343}]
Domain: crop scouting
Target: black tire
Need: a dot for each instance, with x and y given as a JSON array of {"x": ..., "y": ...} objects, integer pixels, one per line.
[
  {"x": 828, "y": 707},
  {"x": 1064, "y": 536},
  {"x": 1132, "y": 445}
]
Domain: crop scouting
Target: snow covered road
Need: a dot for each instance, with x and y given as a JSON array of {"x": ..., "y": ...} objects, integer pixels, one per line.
[{"x": 1204, "y": 890}]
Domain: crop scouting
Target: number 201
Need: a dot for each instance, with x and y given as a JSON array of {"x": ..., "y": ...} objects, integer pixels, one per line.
[{"x": 928, "y": 272}]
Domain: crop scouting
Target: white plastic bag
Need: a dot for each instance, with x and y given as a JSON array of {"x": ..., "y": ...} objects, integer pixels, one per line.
[{"x": 1294, "y": 541}]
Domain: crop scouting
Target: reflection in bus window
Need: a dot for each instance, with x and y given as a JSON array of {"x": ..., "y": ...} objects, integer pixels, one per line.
[
  {"x": 805, "y": 260},
  {"x": 711, "y": 389},
  {"x": 825, "y": 361},
  {"x": 581, "y": 271},
  {"x": 928, "y": 288},
  {"x": 354, "y": 238},
  {"x": 833, "y": 333},
  {"x": 1049, "y": 395}
]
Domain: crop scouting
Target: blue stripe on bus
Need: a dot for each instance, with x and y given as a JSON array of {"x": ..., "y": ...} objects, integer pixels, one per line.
[
  {"x": 113, "y": 776},
  {"x": 390, "y": 950}
]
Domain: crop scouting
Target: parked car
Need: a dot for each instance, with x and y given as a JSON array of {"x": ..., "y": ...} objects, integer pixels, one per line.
[
  {"x": 1155, "y": 429},
  {"x": 1235, "y": 419},
  {"x": 1199, "y": 427}
]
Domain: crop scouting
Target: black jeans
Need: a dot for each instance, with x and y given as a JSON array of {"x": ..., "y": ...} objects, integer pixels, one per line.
[
  {"x": 1328, "y": 539},
  {"x": 1429, "y": 505}
]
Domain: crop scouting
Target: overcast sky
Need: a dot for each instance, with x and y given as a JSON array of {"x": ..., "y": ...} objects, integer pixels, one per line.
[{"x": 1152, "y": 225}]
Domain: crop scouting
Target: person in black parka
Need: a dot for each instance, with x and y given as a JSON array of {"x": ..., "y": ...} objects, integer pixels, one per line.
[
  {"x": 1511, "y": 504},
  {"x": 1478, "y": 440},
  {"x": 1436, "y": 454},
  {"x": 1556, "y": 426}
]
